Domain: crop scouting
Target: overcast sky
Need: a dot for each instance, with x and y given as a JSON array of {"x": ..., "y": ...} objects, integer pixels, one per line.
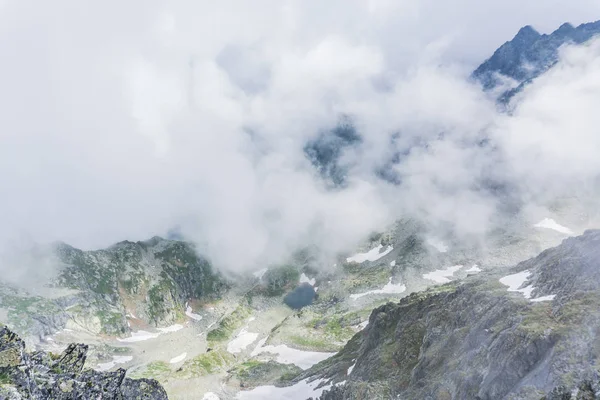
[{"x": 121, "y": 119}]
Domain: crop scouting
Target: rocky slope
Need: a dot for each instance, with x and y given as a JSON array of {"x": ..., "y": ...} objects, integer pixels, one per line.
[
  {"x": 234, "y": 337},
  {"x": 42, "y": 375},
  {"x": 474, "y": 339},
  {"x": 97, "y": 291},
  {"x": 528, "y": 55}
]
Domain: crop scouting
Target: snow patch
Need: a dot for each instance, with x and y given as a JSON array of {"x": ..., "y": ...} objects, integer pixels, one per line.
[
  {"x": 190, "y": 313},
  {"x": 438, "y": 245},
  {"x": 241, "y": 341},
  {"x": 442, "y": 275},
  {"x": 116, "y": 360},
  {"x": 172, "y": 328},
  {"x": 515, "y": 281},
  {"x": 140, "y": 336},
  {"x": 390, "y": 288},
  {"x": 474, "y": 268},
  {"x": 363, "y": 324},
  {"x": 549, "y": 223},
  {"x": 210, "y": 396},
  {"x": 393, "y": 263},
  {"x": 287, "y": 355},
  {"x": 351, "y": 368},
  {"x": 300, "y": 391},
  {"x": 372, "y": 255},
  {"x": 179, "y": 358},
  {"x": 260, "y": 273},
  {"x": 544, "y": 298},
  {"x": 306, "y": 279}
]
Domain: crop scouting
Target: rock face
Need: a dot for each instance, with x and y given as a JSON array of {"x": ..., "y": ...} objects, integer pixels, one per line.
[
  {"x": 149, "y": 280},
  {"x": 42, "y": 375},
  {"x": 476, "y": 340},
  {"x": 528, "y": 55}
]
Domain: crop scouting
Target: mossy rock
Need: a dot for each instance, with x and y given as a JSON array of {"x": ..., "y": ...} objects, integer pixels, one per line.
[
  {"x": 206, "y": 364},
  {"x": 254, "y": 373},
  {"x": 228, "y": 325},
  {"x": 159, "y": 370}
]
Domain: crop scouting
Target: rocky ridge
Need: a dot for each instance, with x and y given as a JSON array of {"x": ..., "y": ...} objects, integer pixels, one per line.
[{"x": 528, "y": 55}]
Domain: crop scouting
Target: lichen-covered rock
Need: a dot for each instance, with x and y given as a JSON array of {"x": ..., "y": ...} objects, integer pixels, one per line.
[
  {"x": 11, "y": 349},
  {"x": 142, "y": 389},
  {"x": 10, "y": 393},
  {"x": 38, "y": 376},
  {"x": 72, "y": 359}
]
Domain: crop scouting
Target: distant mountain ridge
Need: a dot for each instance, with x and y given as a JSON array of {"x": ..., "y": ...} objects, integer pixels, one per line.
[{"x": 528, "y": 55}]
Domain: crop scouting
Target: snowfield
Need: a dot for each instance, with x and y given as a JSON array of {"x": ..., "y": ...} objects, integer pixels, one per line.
[
  {"x": 116, "y": 360},
  {"x": 259, "y": 274},
  {"x": 474, "y": 268},
  {"x": 515, "y": 281},
  {"x": 287, "y": 355},
  {"x": 442, "y": 275},
  {"x": 306, "y": 279},
  {"x": 140, "y": 336},
  {"x": 241, "y": 341},
  {"x": 372, "y": 255},
  {"x": 300, "y": 391},
  {"x": 390, "y": 288},
  {"x": 549, "y": 223}
]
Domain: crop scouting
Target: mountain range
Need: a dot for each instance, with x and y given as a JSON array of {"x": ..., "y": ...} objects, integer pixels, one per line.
[{"x": 409, "y": 314}]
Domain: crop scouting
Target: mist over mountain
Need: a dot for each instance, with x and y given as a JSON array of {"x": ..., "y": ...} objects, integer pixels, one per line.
[
  {"x": 227, "y": 134},
  {"x": 298, "y": 199},
  {"x": 528, "y": 55}
]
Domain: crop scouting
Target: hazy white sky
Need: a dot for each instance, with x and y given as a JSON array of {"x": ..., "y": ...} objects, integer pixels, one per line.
[{"x": 122, "y": 119}]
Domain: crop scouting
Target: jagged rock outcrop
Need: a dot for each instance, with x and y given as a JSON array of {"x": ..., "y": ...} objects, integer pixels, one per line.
[
  {"x": 42, "y": 375},
  {"x": 476, "y": 340},
  {"x": 528, "y": 55}
]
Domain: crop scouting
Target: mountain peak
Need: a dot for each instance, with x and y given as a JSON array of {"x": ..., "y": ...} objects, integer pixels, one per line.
[
  {"x": 528, "y": 55},
  {"x": 527, "y": 32},
  {"x": 567, "y": 26}
]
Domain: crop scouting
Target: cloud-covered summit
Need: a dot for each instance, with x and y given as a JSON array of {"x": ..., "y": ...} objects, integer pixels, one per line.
[{"x": 124, "y": 120}]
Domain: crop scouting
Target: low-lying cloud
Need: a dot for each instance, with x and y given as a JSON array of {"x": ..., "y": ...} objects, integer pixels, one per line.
[{"x": 122, "y": 121}]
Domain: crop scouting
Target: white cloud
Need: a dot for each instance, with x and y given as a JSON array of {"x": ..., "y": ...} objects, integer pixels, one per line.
[{"x": 121, "y": 121}]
